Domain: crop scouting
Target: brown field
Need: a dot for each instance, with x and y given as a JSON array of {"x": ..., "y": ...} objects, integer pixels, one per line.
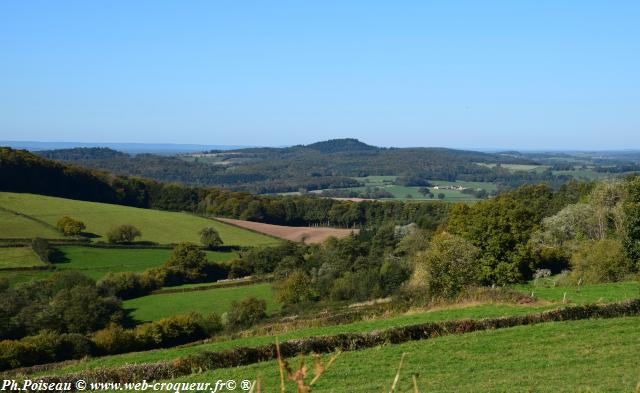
[{"x": 310, "y": 235}]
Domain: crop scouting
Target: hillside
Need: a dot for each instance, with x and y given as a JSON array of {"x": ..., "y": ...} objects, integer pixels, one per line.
[
  {"x": 156, "y": 226},
  {"x": 320, "y": 165}
]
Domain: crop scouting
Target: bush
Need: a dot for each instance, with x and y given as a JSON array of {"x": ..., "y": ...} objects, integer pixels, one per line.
[
  {"x": 70, "y": 227},
  {"x": 125, "y": 285},
  {"x": 114, "y": 339},
  {"x": 247, "y": 312},
  {"x": 45, "y": 347},
  {"x": 123, "y": 234},
  {"x": 296, "y": 288},
  {"x": 600, "y": 261},
  {"x": 449, "y": 266},
  {"x": 187, "y": 263},
  {"x": 210, "y": 238}
]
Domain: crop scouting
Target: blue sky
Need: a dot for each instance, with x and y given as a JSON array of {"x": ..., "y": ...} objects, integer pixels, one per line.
[{"x": 471, "y": 74}]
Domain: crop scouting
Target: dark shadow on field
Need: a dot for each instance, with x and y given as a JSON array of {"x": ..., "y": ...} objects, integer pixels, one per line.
[
  {"x": 127, "y": 320},
  {"x": 89, "y": 235},
  {"x": 58, "y": 256}
]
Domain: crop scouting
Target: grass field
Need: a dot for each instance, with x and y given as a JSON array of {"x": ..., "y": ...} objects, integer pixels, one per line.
[
  {"x": 402, "y": 192},
  {"x": 11, "y": 257},
  {"x": 16, "y": 226},
  {"x": 594, "y": 293},
  {"x": 157, "y": 226},
  {"x": 470, "y": 311},
  {"x": 98, "y": 262},
  {"x": 154, "y": 307},
  {"x": 577, "y": 356}
]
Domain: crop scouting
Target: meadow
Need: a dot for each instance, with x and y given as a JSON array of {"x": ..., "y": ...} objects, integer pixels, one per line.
[
  {"x": 588, "y": 355},
  {"x": 14, "y": 257},
  {"x": 156, "y": 226},
  {"x": 98, "y": 262},
  {"x": 592, "y": 293},
  {"x": 408, "y": 193},
  {"x": 368, "y": 325},
  {"x": 218, "y": 300},
  {"x": 13, "y": 225}
]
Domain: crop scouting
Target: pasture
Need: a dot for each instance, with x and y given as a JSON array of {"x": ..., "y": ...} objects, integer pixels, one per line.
[
  {"x": 98, "y": 262},
  {"x": 589, "y": 355},
  {"x": 592, "y": 293},
  {"x": 410, "y": 318},
  {"x": 157, "y": 226},
  {"x": 14, "y": 257},
  {"x": 13, "y": 225},
  {"x": 218, "y": 300}
]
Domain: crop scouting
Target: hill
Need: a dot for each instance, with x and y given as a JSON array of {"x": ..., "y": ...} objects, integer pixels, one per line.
[
  {"x": 320, "y": 165},
  {"x": 340, "y": 145},
  {"x": 156, "y": 226}
]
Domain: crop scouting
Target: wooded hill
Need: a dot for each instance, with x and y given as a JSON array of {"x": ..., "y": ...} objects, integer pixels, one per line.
[
  {"x": 21, "y": 171},
  {"x": 321, "y": 165}
]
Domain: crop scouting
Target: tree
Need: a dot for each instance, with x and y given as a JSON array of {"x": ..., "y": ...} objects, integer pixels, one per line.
[
  {"x": 125, "y": 233},
  {"x": 188, "y": 260},
  {"x": 598, "y": 261},
  {"x": 449, "y": 266},
  {"x": 210, "y": 238},
  {"x": 441, "y": 195},
  {"x": 247, "y": 312},
  {"x": 70, "y": 227},
  {"x": 631, "y": 236},
  {"x": 296, "y": 288}
]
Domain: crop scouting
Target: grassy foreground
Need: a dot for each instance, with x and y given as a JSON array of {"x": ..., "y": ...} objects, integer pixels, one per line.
[
  {"x": 157, "y": 226},
  {"x": 154, "y": 307},
  {"x": 577, "y": 356},
  {"x": 468, "y": 312}
]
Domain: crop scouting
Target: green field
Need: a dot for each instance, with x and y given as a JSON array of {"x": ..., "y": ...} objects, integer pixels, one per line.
[
  {"x": 98, "y": 262},
  {"x": 593, "y": 293},
  {"x": 519, "y": 167},
  {"x": 15, "y": 226},
  {"x": 404, "y": 193},
  {"x": 577, "y": 356},
  {"x": 154, "y": 307},
  {"x": 157, "y": 226},
  {"x": 473, "y": 311},
  {"x": 11, "y": 257}
]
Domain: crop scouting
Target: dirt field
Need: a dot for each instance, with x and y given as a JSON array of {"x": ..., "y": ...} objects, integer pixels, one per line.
[{"x": 310, "y": 235}]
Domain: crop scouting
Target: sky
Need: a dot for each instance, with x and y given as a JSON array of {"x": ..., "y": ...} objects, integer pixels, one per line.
[{"x": 466, "y": 74}]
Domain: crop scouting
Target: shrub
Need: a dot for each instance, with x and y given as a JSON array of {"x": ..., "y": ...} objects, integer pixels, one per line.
[
  {"x": 125, "y": 233},
  {"x": 247, "y": 312},
  {"x": 45, "y": 347},
  {"x": 114, "y": 339},
  {"x": 125, "y": 285},
  {"x": 210, "y": 238},
  {"x": 70, "y": 227},
  {"x": 211, "y": 324},
  {"x": 239, "y": 268},
  {"x": 187, "y": 263},
  {"x": 296, "y": 288},
  {"x": 600, "y": 261},
  {"x": 449, "y": 266}
]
